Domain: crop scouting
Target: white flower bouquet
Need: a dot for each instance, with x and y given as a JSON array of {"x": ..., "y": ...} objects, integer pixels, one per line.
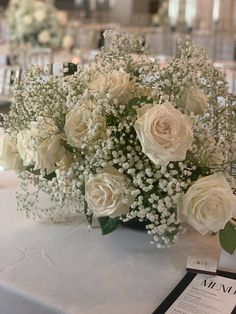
[
  {"x": 36, "y": 22},
  {"x": 126, "y": 139}
]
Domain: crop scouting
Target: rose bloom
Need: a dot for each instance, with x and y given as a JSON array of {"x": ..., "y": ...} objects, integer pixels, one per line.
[
  {"x": 49, "y": 153},
  {"x": 44, "y": 127},
  {"x": 9, "y": 156},
  {"x": 82, "y": 125},
  {"x": 117, "y": 84},
  {"x": 37, "y": 142},
  {"x": 65, "y": 163},
  {"x": 164, "y": 132},
  {"x": 208, "y": 204},
  {"x": 27, "y": 20},
  {"x": 105, "y": 194},
  {"x": 40, "y": 15},
  {"x": 44, "y": 37},
  {"x": 25, "y": 146},
  {"x": 194, "y": 100},
  {"x": 62, "y": 17},
  {"x": 67, "y": 42}
]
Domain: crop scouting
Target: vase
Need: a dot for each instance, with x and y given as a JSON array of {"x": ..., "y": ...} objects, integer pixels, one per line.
[{"x": 135, "y": 224}]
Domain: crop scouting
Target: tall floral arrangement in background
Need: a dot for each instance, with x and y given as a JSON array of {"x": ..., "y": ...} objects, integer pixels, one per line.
[
  {"x": 127, "y": 139},
  {"x": 36, "y": 22}
]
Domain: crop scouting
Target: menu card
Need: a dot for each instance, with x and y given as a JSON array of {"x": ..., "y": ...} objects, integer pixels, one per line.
[
  {"x": 201, "y": 294},
  {"x": 206, "y": 295}
]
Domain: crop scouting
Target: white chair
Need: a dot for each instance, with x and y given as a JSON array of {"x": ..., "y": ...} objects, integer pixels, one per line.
[
  {"x": 35, "y": 56},
  {"x": 161, "y": 42},
  {"x": 224, "y": 47},
  {"x": 206, "y": 40},
  {"x": 229, "y": 70},
  {"x": 230, "y": 73},
  {"x": 8, "y": 75},
  {"x": 87, "y": 38},
  {"x": 4, "y": 30}
]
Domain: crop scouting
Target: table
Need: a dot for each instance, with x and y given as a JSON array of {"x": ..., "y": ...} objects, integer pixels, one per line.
[{"x": 67, "y": 268}]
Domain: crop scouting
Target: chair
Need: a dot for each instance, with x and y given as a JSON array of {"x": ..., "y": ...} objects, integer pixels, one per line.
[
  {"x": 229, "y": 70},
  {"x": 206, "y": 39},
  {"x": 67, "y": 68},
  {"x": 35, "y": 56},
  {"x": 87, "y": 38},
  {"x": 224, "y": 47},
  {"x": 8, "y": 75},
  {"x": 4, "y": 30},
  {"x": 161, "y": 42}
]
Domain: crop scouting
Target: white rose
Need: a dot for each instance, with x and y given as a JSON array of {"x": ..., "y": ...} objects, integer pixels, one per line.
[
  {"x": 117, "y": 84},
  {"x": 68, "y": 42},
  {"x": 194, "y": 100},
  {"x": 31, "y": 142},
  {"x": 106, "y": 194},
  {"x": 25, "y": 146},
  {"x": 62, "y": 17},
  {"x": 164, "y": 132},
  {"x": 66, "y": 161},
  {"x": 27, "y": 20},
  {"x": 49, "y": 153},
  {"x": 208, "y": 204},
  {"x": 9, "y": 156},
  {"x": 82, "y": 126},
  {"x": 43, "y": 128},
  {"x": 40, "y": 15},
  {"x": 44, "y": 37}
]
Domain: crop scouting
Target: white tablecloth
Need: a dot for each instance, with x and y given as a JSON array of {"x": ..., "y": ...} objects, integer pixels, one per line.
[{"x": 67, "y": 268}]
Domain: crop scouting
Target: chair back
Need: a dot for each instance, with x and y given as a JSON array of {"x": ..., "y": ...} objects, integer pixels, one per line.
[
  {"x": 35, "y": 56},
  {"x": 8, "y": 75},
  {"x": 229, "y": 70}
]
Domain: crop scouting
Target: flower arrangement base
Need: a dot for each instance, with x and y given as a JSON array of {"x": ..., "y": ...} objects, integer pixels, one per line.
[{"x": 135, "y": 224}]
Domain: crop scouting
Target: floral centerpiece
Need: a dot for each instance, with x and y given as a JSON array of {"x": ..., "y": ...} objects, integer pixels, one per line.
[
  {"x": 126, "y": 139},
  {"x": 36, "y": 22}
]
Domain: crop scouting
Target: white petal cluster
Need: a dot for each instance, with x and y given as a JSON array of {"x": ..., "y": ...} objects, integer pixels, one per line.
[
  {"x": 83, "y": 125},
  {"x": 126, "y": 139},
  {"x": 9, "y": 155},
  {"x": 208, "y": 204},
  {"x": 165, "y": 134},
  {"x": 36, "y": 22},
  {"x": 117, "y": 84},
  {"x": 40, "y": 145},
  {"x": 105, "y": 194}
]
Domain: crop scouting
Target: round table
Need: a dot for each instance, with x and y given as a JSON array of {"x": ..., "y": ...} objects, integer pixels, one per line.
[{"x": 69, "y": 268}]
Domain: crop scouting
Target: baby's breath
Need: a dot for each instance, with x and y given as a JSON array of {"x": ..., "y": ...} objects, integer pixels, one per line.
[{"x": 155, "y": 188}]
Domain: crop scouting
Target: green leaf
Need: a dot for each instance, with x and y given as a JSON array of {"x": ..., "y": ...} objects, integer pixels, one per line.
[
  {"x": 50, "y": 176},
  {"x": 108, "y": 224},
  {"x": 228, "y": 238}
]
